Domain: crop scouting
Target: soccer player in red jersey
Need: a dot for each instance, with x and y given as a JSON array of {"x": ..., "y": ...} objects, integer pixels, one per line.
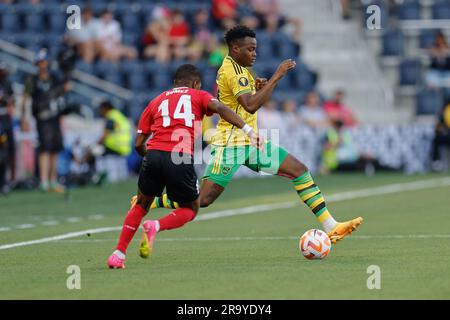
[{"x": 170, "y": 120}]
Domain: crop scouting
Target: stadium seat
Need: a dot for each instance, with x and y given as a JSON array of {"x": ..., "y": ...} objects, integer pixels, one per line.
[
  {"x": 408, "y": 10},
  {"x": 426, "y": 38},
  {"x": 56, "y": 20},
  {"x": 101, "y": 68},
  {"x": 137, "y": 81},
  {"x": 410, "y": 72},
  {"x": 131, "y": 23},
  {"x": 392, "y": 43},
  {"x": 428, "y": 102},
  {"x": 83, "y": 66},
  {"x": 34, "y": 22},
  {"x": 441, "y": 9},
  {"x": 10, "y": 21},
  {"x": 114, "y": 77},
  {"x": 160, "y": 80},
  {"x": 264, "y": 51},
  {"x": 209, "y": 80},
  {"x": 304, "y": 79}
]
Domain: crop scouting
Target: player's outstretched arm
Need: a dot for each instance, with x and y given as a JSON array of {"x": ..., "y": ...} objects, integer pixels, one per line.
[
  {"x": 252, "y": 102},
  {"x": 231, "y": 117}
]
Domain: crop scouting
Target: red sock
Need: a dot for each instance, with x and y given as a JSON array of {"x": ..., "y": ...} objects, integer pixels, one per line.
[
  {"x": 130, "y": 226},
  {"x": 176, "y": 219}
]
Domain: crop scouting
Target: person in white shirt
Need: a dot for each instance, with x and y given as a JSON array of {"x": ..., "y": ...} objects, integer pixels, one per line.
[
  {"x": 109, "y": 39},
  {"x": 312, "y": 112},
  {"x": 83, "y": 39}
]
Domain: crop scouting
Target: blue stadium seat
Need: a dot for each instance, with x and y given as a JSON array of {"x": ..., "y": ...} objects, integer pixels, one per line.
[
  {"x": 264, "y": 51},
  {"x": 304, "y": 79},
  {"x": 56, "y": 20},
  {"x": 426, "y": 38},
  {"x": 34, "y": 22},
  {"x": 131, "y": 39},
  {"x": 131, "y": 66},
  {"x": 288, "y": 50},
  {"x": 410, "y": 72},
  {"x": 103, "y": 67},
  {"x": 10, "y": 21},
  {"x": 83, "y": 66},
  {"x": 392, "y": 43},
  {"x": 137, "y": 81},
  {"x": 429, "y": 102},
  {"x": 409, "y": 10},
  {"x": 441, "y": 9},
  {"x": 161, "y": 80},
  {"x": 115, "y": 77},
  {"x": 131, "y": 22},
  {"x": 209, "y": 80}
]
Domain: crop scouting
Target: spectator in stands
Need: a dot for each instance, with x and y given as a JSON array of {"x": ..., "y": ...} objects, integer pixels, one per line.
[
  {"x": 203, "y": 40},
  {"x": 290, "y": 114},
  {"x": 269, "y": 116},
  {"x": 156, "y": 41},
  {"x": 45, "y": 91},
  {"x": 271, "y": 19},
  {"x": 83, "y": 39},
  {"x": 179, "y": 35},
  {"x": 439, "y": 71},
  {"x": 224, "y": 13},
  {"x": 312, "y": 112},
  {"x": 6, "y": 119},
  {"x": 441, "y": 138},
  {"x": 246, "y": 15},
  {"x": 109, "y": 39},
  {"x": 341, "y": 153},
  {"x": 336, "y": 110}
]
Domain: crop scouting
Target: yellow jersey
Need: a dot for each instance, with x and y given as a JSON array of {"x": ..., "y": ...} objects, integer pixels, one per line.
[{"x": 232, "y": 81}]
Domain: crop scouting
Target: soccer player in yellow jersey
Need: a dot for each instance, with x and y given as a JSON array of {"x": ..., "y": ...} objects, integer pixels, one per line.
[{"x": 231, "y": 148}]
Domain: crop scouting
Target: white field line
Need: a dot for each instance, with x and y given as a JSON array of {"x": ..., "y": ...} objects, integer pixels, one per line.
[
  {"x": 354, "y": 237},
  {"x": 342, "y": 196}
]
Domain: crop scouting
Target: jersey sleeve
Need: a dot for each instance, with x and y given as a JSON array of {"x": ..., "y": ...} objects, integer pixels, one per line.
[
  {"x": 239, "y": 83},
  {"x": 146, "y": 121},
  {"x": 206, "y": 98}
]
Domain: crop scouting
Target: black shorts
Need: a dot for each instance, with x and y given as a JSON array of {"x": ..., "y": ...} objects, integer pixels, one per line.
[
  {"x": 159, "y": 171},
  {"x": 49, "y": 136},
  {"x": 6, "y": 123}
]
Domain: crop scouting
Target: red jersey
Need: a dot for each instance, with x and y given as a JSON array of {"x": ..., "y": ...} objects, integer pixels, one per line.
[{"x": 174, "y": 119}]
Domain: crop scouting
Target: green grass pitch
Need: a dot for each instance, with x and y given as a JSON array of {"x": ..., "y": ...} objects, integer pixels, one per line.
[{"x": 251, "y": 256}]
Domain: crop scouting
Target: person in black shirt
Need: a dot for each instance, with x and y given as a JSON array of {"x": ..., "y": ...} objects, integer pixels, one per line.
[
  {"x": 46, "y": 92},
  {"x": 6, "y": 111}
]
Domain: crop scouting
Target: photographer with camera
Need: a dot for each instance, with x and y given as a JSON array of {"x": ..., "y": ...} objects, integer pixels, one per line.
[{"x": 47, "y": 107}]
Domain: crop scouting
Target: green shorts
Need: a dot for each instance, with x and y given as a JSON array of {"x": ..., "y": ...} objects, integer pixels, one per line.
[{"x": 225, "y": 161}]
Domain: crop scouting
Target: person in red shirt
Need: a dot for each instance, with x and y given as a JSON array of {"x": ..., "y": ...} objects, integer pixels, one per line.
[
  {"x": 179, "y": 34},
  {"x": 336, "y": 110},
  {"x": 171, "y": 121},
  {"x": 224, "y": 12}
]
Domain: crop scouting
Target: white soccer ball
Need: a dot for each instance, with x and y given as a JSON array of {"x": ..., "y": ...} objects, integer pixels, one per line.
[{"x": 315, "y": 244}]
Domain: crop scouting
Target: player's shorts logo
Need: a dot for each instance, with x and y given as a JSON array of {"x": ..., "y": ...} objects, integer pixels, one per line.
[
  {"x": 226, "y": 170},
  {"x": 243, "y": 81}
]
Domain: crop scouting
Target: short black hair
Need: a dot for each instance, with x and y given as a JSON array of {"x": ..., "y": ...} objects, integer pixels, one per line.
[
  {"x": 187, "y": 72},
  {"x": 106, "y": 104},
  {"x": 237, "y": 33}
]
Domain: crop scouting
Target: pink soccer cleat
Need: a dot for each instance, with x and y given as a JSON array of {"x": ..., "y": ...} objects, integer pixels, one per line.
[
  {"x": 114, "y": 262},
  {"x": 148, "y": 236}
]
